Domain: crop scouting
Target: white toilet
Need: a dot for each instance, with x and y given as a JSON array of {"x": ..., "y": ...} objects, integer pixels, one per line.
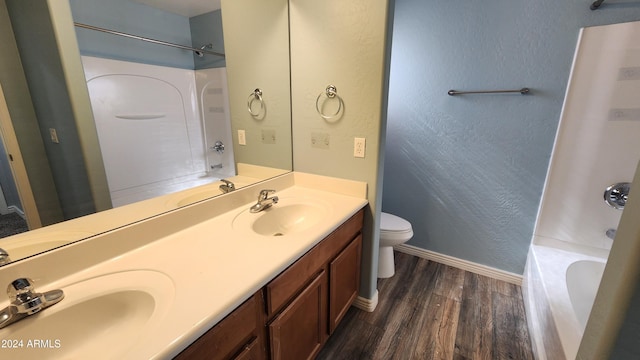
[{"x": 394, "y": 230}]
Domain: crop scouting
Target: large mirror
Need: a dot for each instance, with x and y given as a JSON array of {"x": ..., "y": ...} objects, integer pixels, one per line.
[{"x": 129, "y": 128}]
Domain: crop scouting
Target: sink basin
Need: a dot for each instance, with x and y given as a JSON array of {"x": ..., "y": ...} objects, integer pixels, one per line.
[
  {"x": 27, "y": 244},
  {"x": 109, "y": 314},
  {"x": 288, "y": 216}
]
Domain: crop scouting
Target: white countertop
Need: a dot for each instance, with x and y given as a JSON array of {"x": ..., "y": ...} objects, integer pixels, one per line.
[{"x": 213, "y": 267}]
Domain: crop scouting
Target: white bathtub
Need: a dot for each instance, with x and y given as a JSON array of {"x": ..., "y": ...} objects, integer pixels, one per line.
[{"x": 559, "y": 287}]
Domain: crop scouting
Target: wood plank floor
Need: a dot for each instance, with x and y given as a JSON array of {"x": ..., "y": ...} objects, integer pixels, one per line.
[{"x": 433, "y": 311}]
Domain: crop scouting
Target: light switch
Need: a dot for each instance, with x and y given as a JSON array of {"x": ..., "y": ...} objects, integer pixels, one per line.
[{"x": 242, "y": 137}]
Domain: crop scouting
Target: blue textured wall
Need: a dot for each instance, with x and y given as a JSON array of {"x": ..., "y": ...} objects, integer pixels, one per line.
[
  {"x": 468, "y": 171},
  {"x": 207, "y": 29},
  {"x": 136, "y": 19}
]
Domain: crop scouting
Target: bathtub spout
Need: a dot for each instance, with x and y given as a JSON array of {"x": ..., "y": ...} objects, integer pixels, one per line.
[{"x": 611, "y": 233}]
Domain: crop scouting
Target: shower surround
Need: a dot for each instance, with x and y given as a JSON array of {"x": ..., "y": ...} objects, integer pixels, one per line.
[
  {"x": 157, "y": 126},
  {"x": 596, "y": 146}
]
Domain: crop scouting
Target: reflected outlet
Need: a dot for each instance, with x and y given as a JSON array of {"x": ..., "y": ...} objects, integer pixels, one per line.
[
  {"x": 320, "y": 140},
  {"x": 268, "y": 136}
]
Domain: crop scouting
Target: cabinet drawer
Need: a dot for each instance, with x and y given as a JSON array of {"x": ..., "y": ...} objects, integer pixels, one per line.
[
  {"x": 284, "y": 287},
  {"x": 229, "y": 336}
]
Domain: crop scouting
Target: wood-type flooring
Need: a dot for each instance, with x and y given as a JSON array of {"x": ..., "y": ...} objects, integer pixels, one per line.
[{"x": 434, "y": 311}]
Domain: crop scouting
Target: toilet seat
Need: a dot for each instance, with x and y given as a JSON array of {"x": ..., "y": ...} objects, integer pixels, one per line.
[{"x": 394, "y": 227}]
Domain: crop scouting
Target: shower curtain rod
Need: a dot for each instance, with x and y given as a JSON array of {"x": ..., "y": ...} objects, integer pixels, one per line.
[{"x": 113, "y": 32}]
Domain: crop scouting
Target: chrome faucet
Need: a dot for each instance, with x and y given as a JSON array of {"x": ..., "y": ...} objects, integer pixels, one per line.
[
  {"x": 227, "y": 187},
  {"x": 4, "y": 257},
  {"x": 264, "y": 201},
  {"x": 25, "y": 301}
]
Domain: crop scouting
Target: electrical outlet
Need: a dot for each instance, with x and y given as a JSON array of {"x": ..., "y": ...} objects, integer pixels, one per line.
[
  {"x": 54, "y": 136},
  {"x": 358, "y": 147},
  {"x": 242, "y": 137}
]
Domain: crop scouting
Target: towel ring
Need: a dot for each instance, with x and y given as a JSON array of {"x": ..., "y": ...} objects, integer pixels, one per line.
[
  {"x": 331, "y": 92},
  {"x": 256, "y": 95}
]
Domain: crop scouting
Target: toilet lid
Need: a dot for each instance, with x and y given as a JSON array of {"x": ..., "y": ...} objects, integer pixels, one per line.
[{"x": 392, "y": 223}]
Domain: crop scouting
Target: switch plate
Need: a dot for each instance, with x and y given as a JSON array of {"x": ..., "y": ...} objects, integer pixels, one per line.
[
  {"x": 359, "y": 145},
  {"x": 320, "y": 140},
  {"x": 54, "y": 136},
  {"x": 242, "y": 137},
  {"x": 268, "y": 136}
]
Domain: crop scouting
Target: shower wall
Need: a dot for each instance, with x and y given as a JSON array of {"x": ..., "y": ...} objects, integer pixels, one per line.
[
  {"x": 597, "y": 141},
  {"x": 149, "y": 122}
]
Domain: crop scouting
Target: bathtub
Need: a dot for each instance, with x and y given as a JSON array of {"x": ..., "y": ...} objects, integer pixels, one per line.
[{"x": 559, "y": 288}]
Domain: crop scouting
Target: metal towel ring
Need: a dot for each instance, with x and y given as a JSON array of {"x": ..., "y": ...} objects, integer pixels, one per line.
[
  {"x": 255, "y": 95},
  {"x": 331, "y": 92}
]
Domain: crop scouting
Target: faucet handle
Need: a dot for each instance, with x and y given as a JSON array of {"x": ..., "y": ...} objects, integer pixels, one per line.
[
  {"x": 265, "y": 193},
  {"x": 228, "y": 184},
  {"x": 23, "y": 296},
  {"x": 20, "y": 285},
  {"x": 4, "y": 257}
]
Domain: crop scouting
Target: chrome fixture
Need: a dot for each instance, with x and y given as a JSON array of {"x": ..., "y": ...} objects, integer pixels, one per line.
[
  {"x": 611, "y": 233},
  {"x": 25, "y": 301},
  {"x": 218, "y": 147},
  {"x": 616, "y": 195},
  {"x": 4, "y": 257},
  {"x": 331, "y": 92},
  {"x": 216, "y": 166},
  {"x": 596, "y": 4},
  {"x": 227, "y": 187},
  {"x": 200, "y": 52},
  {"x": 523, "y": 91},
  {"x": 154, "y": 41},
  {"x": 264, "y": 201},
  {"x": 256, "y": 95}
]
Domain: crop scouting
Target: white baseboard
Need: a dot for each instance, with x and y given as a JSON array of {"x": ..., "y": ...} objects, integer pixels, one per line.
[
  {"x": 15, "y": 209},
  {"x": 365, "y": 304},
  {"x": 475, "y": 268}
]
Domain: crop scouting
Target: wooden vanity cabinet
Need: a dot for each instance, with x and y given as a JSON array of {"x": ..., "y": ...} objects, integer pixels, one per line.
[
  {"x": 294, "y": 314},
  {"x": 305, "y": 303},
  {"x": 240, "y": 335},
  {"x": 300, "y": 330},
  {"x": 344, "y": 281}
]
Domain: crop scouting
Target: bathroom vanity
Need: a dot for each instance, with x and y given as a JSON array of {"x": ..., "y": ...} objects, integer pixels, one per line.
[
  {"x": 209, "y": 280},
  {"x": 303, "y": 304}
]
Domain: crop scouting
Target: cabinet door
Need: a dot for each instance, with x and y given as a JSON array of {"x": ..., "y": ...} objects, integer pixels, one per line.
[
  {"x": 242, "y": 332},
  {"x": 301, "y": 329},
  {"x": 344, "y": 281},
  {"x": 250, "y": 352}
]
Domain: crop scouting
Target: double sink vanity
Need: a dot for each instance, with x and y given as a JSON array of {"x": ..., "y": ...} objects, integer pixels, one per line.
[{"x": 209, "y": 280}]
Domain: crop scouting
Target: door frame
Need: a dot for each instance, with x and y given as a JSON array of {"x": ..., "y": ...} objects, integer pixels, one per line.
[{"x": 18, "y": 169}]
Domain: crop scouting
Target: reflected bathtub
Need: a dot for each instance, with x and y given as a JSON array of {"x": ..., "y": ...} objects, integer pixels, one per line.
[{"x": 559, "y": 287}]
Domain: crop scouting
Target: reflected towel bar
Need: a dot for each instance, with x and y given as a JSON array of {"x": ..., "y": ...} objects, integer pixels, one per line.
[
  {"x": 113, "y": 32},
  {"x": 522, "y": 91}
]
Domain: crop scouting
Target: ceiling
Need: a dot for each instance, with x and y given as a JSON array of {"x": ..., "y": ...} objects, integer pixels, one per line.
[{"x": 188, "y": 8}]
